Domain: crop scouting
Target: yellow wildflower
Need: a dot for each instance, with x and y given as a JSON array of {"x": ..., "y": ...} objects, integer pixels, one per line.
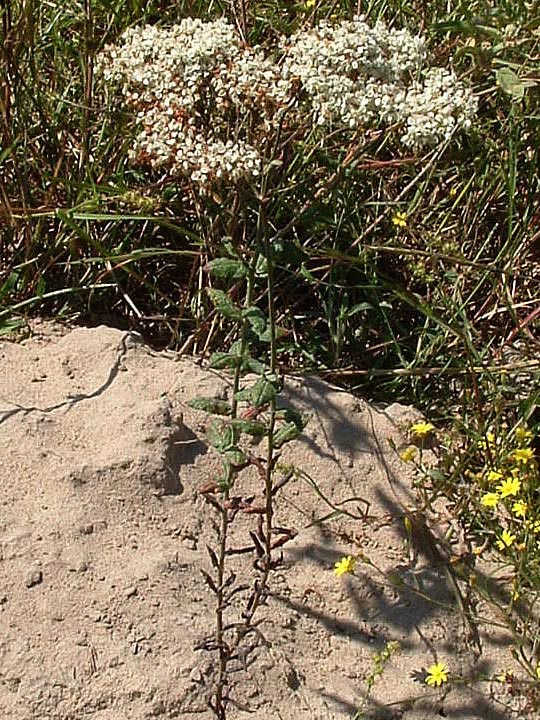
[
  {"x": 510, "y": 486},
  {"x": 505, "y": 540},
  {"x": 345, "y": 566},
  {"x": 490, "y": 437},
  {"x": 494, "y": 476},
  {"x": 532, "y": 525},
  {"x": 400, "y": 219},
  {"x": 490, "y": 499},
  {"x": 436, "y": 674},
  {"x": 422, "y": 429},
  {"x": 310, "y": 3},
  {"x": 408, "y": 454},
  {"x": 522, "y": 434},
  {"x": 523, "y": 455},
  {"x": 520, "y": 508},
  {"x": 452, "y": 192}
]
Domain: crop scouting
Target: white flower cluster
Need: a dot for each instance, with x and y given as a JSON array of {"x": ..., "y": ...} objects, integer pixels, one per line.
[
  {"x": 184, "y": 82},
  {"x": 434, "y": 108},
  {"x": 192, "y": 86},
  {"x": 354, "y": 74},
  {"x": 166, "y": 141},
  {"x": 360, "y": 76}
]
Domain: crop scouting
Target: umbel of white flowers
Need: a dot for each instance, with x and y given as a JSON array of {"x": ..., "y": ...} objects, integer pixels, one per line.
[{"x": 205, "y": 103}]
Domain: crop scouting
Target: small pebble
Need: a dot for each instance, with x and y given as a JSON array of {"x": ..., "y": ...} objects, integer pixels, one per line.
[
  {"x": 195, "y": 675},
  {"x": 34, "y": 577}
]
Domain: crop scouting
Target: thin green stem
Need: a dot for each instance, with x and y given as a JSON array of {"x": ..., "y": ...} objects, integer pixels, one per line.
[{"x": 224, "y": 651}]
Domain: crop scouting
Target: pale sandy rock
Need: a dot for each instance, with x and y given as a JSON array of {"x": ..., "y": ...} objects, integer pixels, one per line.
[{"x": 102, "y": 461}]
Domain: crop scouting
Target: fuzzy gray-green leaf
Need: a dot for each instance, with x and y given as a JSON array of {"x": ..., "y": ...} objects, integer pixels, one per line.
[
  {"x": 221, "y": 435},
  {"x": 224, "y": 305},
  {"x": 263, "y": 392},
  {"x": 251, "y": 427},
  {"x": 210, "y": 405},
  {"x": 227, "y": 269},
  {"x": 285, "y": 434},
  {"x": 220, "y": 360}
]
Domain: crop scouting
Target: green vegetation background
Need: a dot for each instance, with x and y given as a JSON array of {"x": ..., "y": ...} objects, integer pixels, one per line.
[{"x": 403, "y": 313}]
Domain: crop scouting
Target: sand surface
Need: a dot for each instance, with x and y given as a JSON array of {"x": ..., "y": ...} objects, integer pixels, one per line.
[{"x": 103, "y": 531}]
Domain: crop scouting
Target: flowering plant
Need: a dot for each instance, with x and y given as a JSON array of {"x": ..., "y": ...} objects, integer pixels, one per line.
[{"x": 207, "y": 106}]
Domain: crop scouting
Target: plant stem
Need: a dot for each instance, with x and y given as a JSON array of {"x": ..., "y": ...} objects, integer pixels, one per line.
[{"x": 223, "y": 648}]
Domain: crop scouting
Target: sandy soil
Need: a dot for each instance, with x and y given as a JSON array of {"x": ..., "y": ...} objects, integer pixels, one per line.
[{"x": 103, "y": 532}]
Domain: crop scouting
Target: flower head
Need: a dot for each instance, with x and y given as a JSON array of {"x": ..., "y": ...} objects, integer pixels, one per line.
[
  {"x": 345, "y": 566},
  {"x": 510, "y": 486},
  {"x": 523, "y": 455},
  {"x": 490, "y": 499},
  {"x": 505, "y": 676},
  {"x": 505, "y": 540},
  {"x": 408, "y": 454},
  {"x": 532, "y": 525},
  {"x": 400, "y": 219},
  {"x": 519, "y": 508},
  {"x": 522, "y": 434},
  {"x": 422, "y": 429},
  {"x": 494, "y": 476},
  {"x": 436, "y": 675}
]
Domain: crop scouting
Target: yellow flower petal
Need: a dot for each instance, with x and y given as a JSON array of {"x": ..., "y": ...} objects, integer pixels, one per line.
[
  {"x": 490, "y": 499},
  {"x": 408, "y": 454},
  {"x": 344, "y": 566},
  {"x": 422, "y": 429},
  {"x": 510, "y": 486},
  {"x": 436, "y": 675},
  {"x": 506, "y": 540},
  {"x": 400, "y": 219},
  {"x": 519, "y": 508}
]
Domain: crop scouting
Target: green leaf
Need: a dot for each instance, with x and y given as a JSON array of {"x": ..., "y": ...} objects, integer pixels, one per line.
[
  {"x": 220, "y": 360},
  {"x": 244, "y": 394},
  {"x": 290, "y": 415},
  {"x": 235, "y": 455},
  {"x": 307, "y": 274},
  {"x": 359, "y": 307},
  {"x": 279, "y": 333},
  {"x": 256, "y": 319},
  {"x": 261, "y": 269},
  {"x": 9, "y": 284},
  {"x": 263, "y": 392},
  {"x": 221, "y": 435},
  {"x": 251, "y": 427},
  {"x": 41, "y": 287},
  {"x": 11, "y": 325},
  {"x": 210, "y": 405},
  {"x": 224, "y": 305},
  {"x": 510, "y": 83},
  {"x": 236, "y": 348},
  {"x": 255, "y": 366},
  {"x": 227, "y": 269},
  {"x": 285, "y": 434},
  {"x": 225, "y": 480}
]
